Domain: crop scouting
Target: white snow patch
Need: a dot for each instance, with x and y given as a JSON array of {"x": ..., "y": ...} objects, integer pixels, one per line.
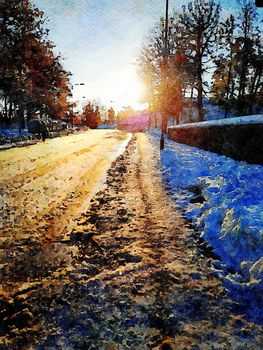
[{"x": 250, "y": 119}]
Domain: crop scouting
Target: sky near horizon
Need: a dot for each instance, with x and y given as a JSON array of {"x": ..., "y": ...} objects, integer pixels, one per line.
[{"x": 100, "y": 41}]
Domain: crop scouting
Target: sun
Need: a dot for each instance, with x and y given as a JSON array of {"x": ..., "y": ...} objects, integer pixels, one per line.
[
  {"x": 117, "y": 89},
  {"x": 124, "y": 90},
  {"x": 131, "y": 92}
]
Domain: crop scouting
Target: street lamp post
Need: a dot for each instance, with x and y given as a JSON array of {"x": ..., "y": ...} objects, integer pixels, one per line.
[{"x": 165, "y": 66}]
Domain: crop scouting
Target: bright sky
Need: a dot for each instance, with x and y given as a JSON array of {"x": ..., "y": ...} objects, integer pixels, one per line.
[{"x": 100, "y": 41}]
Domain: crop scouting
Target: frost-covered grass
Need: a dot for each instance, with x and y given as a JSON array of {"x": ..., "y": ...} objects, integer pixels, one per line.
[{"x": 224, "y": 200}]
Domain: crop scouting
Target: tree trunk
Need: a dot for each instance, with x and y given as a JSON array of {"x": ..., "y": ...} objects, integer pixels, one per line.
[
  {"x": 242, "y": 84},
  {"x": 149, "y": 117},
  {"x": 10, "y": 110},
  {"x": 199, "y": 84},
  {"x": 165, "y": 123},
  {"x": 254, "y": 89},
  {"x": 7, "y": 120},
  {"x": 192, "y": 93},
  {"x": 29, "y": 115},
  {"x": 200, "y": 94},
  {"x": 229, "y": 79},
  {"x": 155, "y": 120},
  {"x": 21, "y": 119}
]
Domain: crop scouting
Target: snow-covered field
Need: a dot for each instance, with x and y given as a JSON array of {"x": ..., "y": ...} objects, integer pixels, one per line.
[{"x": 224, "y": 200}]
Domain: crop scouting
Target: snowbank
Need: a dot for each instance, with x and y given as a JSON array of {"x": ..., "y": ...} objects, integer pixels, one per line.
[
  {"x": 224, "y": 199},
  {"x": 250, "y": 119}
]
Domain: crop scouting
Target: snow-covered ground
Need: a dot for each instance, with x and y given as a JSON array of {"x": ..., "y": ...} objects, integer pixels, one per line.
[
  {"x": 224, "y": 200},
  {"x": 13, "y": 131},
  {"x": 250, "y": 119}
]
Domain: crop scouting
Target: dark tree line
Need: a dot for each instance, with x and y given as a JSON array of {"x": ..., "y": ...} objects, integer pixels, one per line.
[
  {"x": 208, "y": 56},
  {"x": 32, "y": 78}
]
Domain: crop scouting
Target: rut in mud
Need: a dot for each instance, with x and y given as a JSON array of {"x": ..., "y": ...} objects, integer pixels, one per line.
[{"x": 134, "y": 280}]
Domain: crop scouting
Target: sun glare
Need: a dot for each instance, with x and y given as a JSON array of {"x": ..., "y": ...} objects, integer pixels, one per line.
[
  {"x": 117, "y": 89},
  {"x": 130, "y": 93},
  {"x": 125, "y": 90}
]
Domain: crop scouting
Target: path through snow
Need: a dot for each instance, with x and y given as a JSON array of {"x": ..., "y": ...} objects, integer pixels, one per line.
[{"x": 135, "y": 279}]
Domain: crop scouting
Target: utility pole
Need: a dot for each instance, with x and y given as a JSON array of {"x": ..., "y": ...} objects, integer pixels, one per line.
[{"x": 164, "y": 116}]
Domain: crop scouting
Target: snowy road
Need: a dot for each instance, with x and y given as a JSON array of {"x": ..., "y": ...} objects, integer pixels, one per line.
[
  {"x": 129, "y": 276},
  {"x": 44, "y": 187}
]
